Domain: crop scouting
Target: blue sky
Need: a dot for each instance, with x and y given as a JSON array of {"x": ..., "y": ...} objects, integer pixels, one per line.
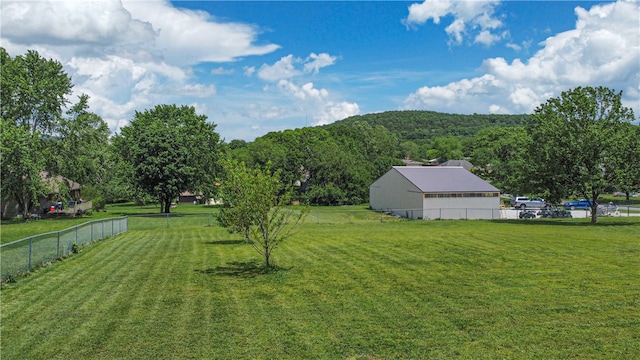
[{"x": 255, "y": 67}]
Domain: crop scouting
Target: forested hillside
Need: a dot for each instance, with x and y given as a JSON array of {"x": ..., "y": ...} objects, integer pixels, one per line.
[
  {"x": 334, "y": 164},
  {"x": 422, "y": 126}
]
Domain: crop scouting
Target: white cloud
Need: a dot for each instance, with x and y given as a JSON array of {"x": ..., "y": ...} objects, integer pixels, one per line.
[
  {"x": 285, "y": 68},
  {"x": 434, "y": 10},
  {"x": 514, "y": 46},
  {"x": 282, "y": 69},
  {"x": 249, "y": 70},
  {"x": 485, "y": 37},
  {"x": 336, "y": 111},
  {"x": 602, "y": 50},
  {"x": 304, "y": 92},
  {"x": 197, "y": 90},
  {"x": 468, "y": 16},
  {"x": 105, "y": 23},
  {"x": 190, "y": 37},
  {"x": 222, "y": 71},
  {"x": 289, "y": 75},
  {"x": 127, "y": 55},
  {"x": 317, "y": 102},
  {"x": 318, "y": 61}
]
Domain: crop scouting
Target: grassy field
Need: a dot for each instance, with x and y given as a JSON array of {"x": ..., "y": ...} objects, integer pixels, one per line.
[
  {"x": 15, "y": 229},
  {"x": 357, "y": 290}
]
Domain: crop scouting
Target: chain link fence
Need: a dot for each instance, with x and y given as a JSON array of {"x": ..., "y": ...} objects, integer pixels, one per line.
[
  {"x": 342, "y": 216},
  {"x": 22, "y": 256}
]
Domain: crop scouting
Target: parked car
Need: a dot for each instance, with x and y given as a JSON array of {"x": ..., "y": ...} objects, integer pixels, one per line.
[
  {"x": 555, "y": 213},
  {"x": 579, "y": 204},
  {"x": 521, "y": 202},
  {"x": 527, "y": 214}
]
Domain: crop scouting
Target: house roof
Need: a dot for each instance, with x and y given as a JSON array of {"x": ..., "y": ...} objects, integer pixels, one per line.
[
  {"x": 440, "y": 179},
  {"x": 409, "y": 162},
  {"x": 464, "y": 163},
  {"x": 56, "y": 180}
]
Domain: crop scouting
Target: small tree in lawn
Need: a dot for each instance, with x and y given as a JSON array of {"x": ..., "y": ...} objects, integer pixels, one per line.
[
  {"x": 236, "y": 213},
  {"x": 256, "y": 206}
]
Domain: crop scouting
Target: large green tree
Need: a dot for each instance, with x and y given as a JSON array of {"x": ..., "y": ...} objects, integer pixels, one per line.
[
  {"x": 499, "y": 156},
  {"x": 169, "y": 149},
  {"x": 34, "y": 91},
  {"x": 33, "y": 95},
  {"x": 21, "y": 163},
  {"x": 81, "y": 144},
  {"x": 446, "y": 148},
  {"x": 574, "y": 144},
  {"x": 256, "y": 205}
]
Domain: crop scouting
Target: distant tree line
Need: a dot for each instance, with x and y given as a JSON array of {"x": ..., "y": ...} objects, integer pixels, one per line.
[{"x": 581, "y": 143}]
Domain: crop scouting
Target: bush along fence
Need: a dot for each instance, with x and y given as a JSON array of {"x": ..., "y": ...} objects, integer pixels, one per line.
[{"x": 22, "y": 256}]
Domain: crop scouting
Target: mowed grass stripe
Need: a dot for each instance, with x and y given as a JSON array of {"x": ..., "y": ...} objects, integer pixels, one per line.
[
  {"x": 527, "y": 248},
  {"x": 379, "y": 290}
]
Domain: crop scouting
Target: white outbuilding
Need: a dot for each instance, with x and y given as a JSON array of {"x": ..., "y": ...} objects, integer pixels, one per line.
[{"x": 435, "y": 192}]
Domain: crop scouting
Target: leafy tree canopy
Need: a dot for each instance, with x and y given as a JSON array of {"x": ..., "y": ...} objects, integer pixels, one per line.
[
  {"x": 169, "y": 149},
  {"x": 33, "y": 93},
  {"x": 499, "y": 157},
  {"x": 575, "y": 144}
]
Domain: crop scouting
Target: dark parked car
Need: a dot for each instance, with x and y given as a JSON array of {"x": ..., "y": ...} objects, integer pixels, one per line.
[{"x": 579, "y": 204}]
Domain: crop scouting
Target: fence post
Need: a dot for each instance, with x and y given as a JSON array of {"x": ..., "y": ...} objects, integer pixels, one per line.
[
  {"x": 167, "y": 219},
  {"x": 58, "y": 248},
  {"x": 76, "y": 234},
  {"x": 30, "y": 251}
]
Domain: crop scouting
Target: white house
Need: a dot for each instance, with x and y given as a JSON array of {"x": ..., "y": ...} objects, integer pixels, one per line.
[{"x": 435, "y": 192}]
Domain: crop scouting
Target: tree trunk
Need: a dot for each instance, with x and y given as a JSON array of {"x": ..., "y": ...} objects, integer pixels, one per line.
[
  {"x": 23, "y": 205},
  {"x": 165, "y": 205},
  {"x": 594, "y": 213}
]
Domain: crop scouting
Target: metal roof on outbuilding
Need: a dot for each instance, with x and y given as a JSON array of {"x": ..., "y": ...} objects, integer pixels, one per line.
[{"x": 442, "y": 179}]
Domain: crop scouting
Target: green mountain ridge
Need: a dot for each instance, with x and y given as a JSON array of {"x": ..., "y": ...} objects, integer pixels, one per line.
[{"x": 419, "y": 125}]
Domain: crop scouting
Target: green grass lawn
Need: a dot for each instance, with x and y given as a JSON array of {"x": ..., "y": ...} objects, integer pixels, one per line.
[
  {"x": 15, "y": 229},
  {"x": 356, "y": 290}
]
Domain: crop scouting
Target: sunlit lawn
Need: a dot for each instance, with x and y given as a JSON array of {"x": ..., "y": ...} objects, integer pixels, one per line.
[
  {"x": 361, "y": 290},
  {"x": 14, "y": 229}
]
